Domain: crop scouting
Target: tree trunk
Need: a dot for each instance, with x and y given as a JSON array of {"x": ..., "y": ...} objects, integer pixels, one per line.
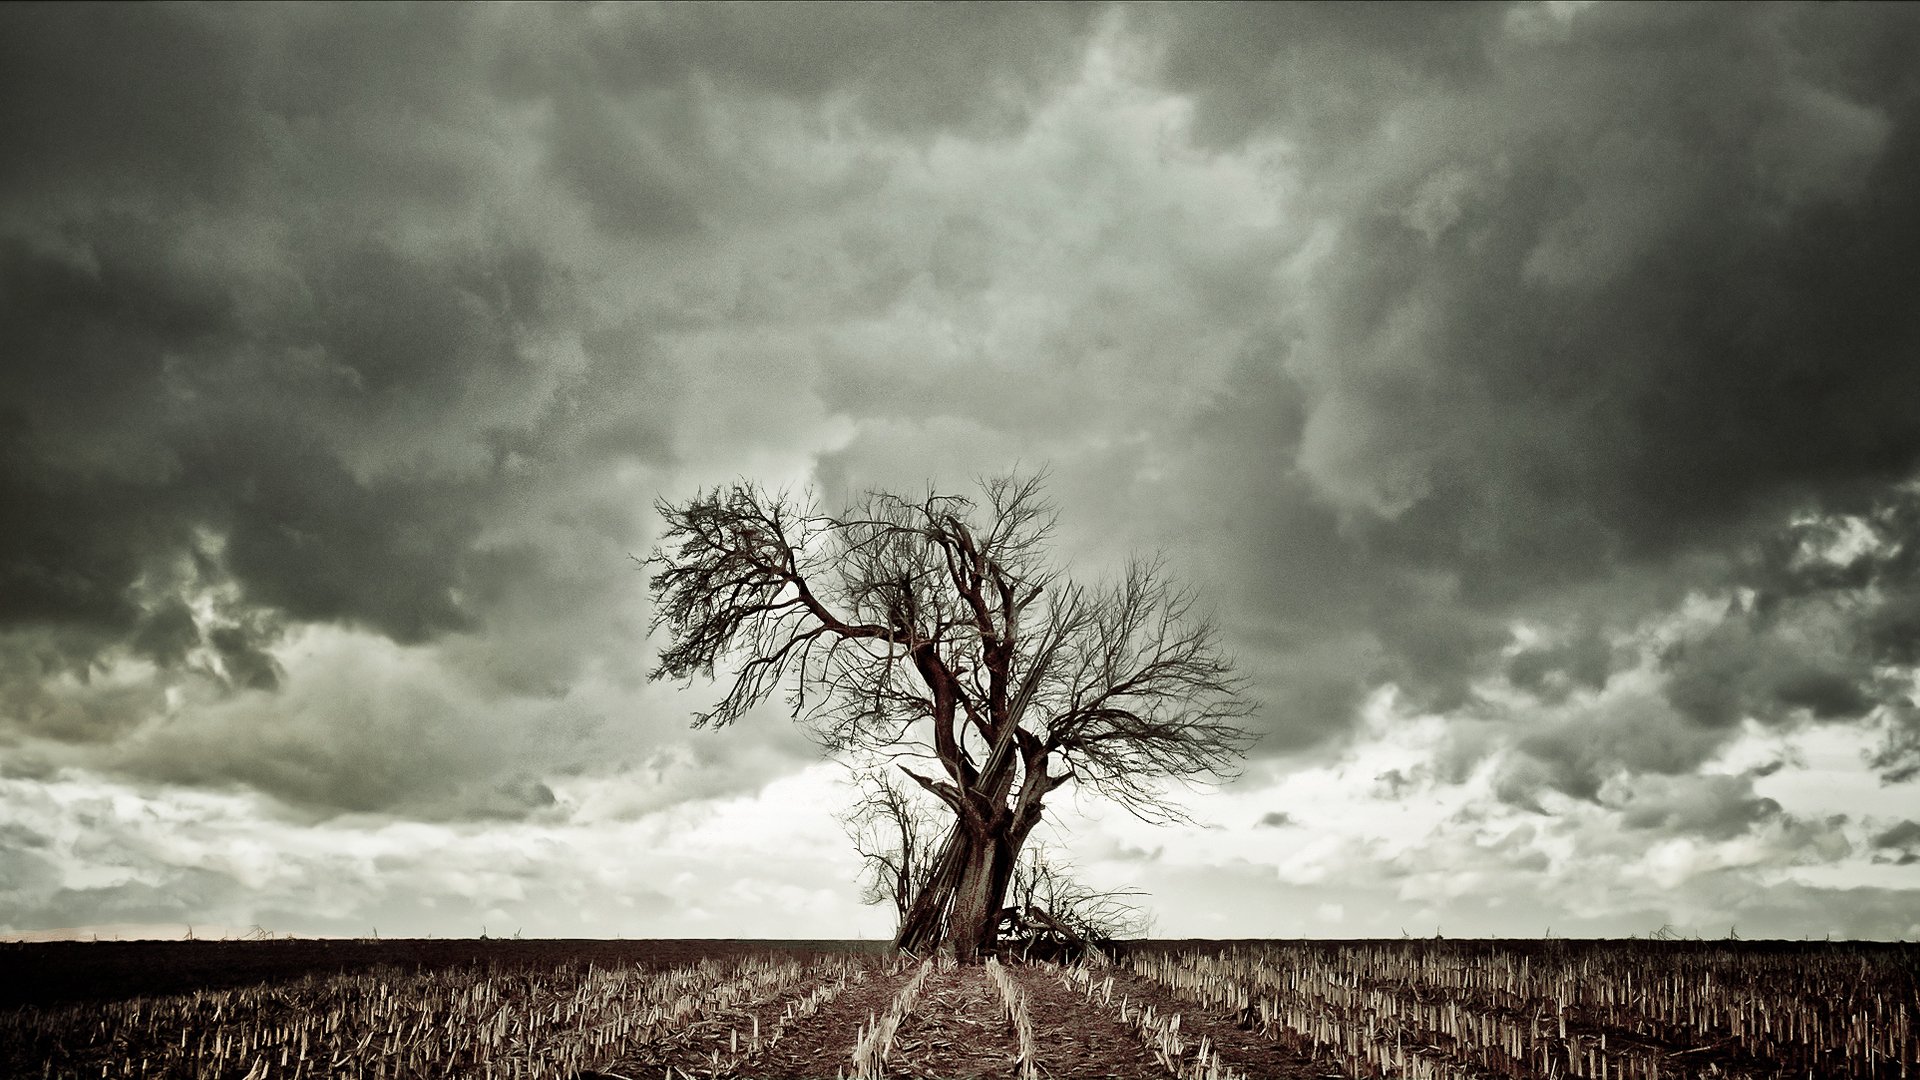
[
  {"x": 1006, "y": 854},
  {"x": 960, "y": 908},
  {"x": 924, "y": 927},
  {"x": 974, "y": 927}
]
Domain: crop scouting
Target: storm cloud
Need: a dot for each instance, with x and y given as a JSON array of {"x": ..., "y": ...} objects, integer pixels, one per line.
[
  {"x": 1541, "y": 373},
  {"x": 298, "y": 311},
  {"x": 1594, "y": 309}
]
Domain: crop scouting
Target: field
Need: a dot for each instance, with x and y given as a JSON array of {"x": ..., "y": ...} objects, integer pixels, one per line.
[{"x": 512, "y": 1009}]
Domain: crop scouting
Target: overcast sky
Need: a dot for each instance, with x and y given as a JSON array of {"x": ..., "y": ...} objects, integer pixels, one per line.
[{"x": 1529, "y": 390}]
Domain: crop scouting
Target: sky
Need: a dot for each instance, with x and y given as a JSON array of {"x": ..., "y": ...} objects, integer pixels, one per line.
[{"x": 1528, "y": 391}]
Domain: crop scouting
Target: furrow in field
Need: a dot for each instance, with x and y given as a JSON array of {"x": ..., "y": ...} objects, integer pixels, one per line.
[
  {"x": 734, "y": 1021},
  {"x": 815, "y": 1041},
  {"x": 1077, "y": 1038},
  {"x": 1201, "y": 1040},
  {"x": 1453, "y": 1010},
  {"x": 958, "y": 1030}
]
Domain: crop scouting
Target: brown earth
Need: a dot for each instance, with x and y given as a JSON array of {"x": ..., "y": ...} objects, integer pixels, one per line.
[
  {"x": 1240, "y": 1048},
  {"x": 51, "y": 972},
  {"x": 1075, "y": 1041},
  {"x": 821, "y": 1045},
  {"x": 958, "y": 1030},
  {"x": 721, "y": 1040}
]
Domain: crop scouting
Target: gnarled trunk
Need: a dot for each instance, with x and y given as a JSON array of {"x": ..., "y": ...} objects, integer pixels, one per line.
[
  {"x": 974, "y": 926},
  {"x": 961, "y": 904}
]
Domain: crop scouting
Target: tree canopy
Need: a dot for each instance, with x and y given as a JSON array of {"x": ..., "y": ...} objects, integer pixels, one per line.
[{"x": 940, "y": 634}]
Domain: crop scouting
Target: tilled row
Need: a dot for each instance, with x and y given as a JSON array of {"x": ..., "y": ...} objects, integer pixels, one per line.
[
  {"x": 775, "y": 1017},
  {"x": 386, "y": 1024},
  {"x": 921, "y": 1019},
  {"x": 925, "y": 1020},
  {"x": 1610, "y": 1011},
  {"x": 1182, "y": 1039},
  {"x": 721, "y": 1040},
  {"x": 1075, "y": 1037}
]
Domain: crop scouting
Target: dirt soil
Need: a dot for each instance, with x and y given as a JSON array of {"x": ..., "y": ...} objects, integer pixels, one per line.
[
  {"x": 958, "y": 1031},
  {"x": 720, "y": 1041},
  {"x": 51, "y": 972},
  {"x": 821, "y": 1045},
  {"x": 1075, "y": 1041},
  {"x": 1243, "y": 1049}
]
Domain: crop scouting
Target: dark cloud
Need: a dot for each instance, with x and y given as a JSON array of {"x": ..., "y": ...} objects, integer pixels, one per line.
[
  {"x": 976, "y": 68},
  {"x": 1713, "y": 807},
  {"x": 1320, "y": 70},
  {"x": 1763, "y": 667},
  {"x": 1577, "y": 753},
  {"x": 1900, "y": 843},
  {"x": 1898, "y": 756},
  {"x": 172, "y": 116},
  {"x": 1551, "y": 672},
  {"x": 1393, "y": 783},
  {"x": 156, "y": 385},
  {"x": 1276, "y": 819},
  {"x": 1820, "y": 632},
  {"x": 1595, "y": 303},
  {"x": 157, "y": 444},
  {"x": 262, "y": 374}
]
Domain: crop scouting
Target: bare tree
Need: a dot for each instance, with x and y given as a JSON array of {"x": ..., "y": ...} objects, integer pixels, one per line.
[
  {"x": 895, "y": 835},
  {"x": 940, "y": 631},
  {"x": 1051, "y": 908},
  {"x": 1048, "y": 909}
]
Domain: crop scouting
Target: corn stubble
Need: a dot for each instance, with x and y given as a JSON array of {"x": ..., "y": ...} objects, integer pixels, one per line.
[
  {"x": 1604, "y": 1010},
  {"x": 1014, "y": 1000},
  {"x": 1438, "y": 1010},
  {"x": 385, "y": 1023},
  {"x": 874, "y": 1045}
]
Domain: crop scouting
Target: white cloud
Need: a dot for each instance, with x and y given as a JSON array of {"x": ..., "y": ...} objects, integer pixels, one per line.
[{"x": 773, "y": 864}]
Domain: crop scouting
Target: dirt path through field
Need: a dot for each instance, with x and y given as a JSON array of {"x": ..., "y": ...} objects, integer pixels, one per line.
[
  {"x": 959, "y": 1031},
  {"x": 1077, "y": 1041},
  {"x": 1241, "y": 1049},
  {"x": 821, "y": 1045}
]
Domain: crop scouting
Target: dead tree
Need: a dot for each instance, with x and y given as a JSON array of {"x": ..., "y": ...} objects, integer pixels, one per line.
[
  {"x": 1052, "y": 914},
  {"x": 1049, "y": 912},
  {"x": 939, "y": 630},
  {"x": 895, "y": 836}
]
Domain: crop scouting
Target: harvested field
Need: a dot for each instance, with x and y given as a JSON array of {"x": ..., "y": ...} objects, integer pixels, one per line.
[
  {"x": 43, "y": 973},
  {"x": 1293, "y": 1010},
  {"x": 958, "y": 1029},
  {"x": 1074, "y": 1039}
]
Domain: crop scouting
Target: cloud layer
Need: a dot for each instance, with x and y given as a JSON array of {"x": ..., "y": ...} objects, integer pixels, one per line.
[{"x": 1545, "y": 369}]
